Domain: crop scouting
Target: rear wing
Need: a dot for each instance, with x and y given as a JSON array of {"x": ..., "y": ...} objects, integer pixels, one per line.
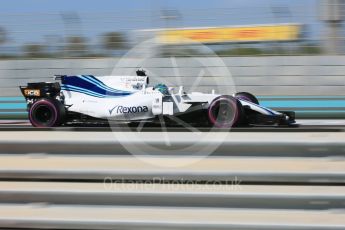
[{"x": 40, "y": 89}]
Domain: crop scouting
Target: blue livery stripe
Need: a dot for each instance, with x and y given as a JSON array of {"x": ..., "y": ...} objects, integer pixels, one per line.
[
  {"x": 97, "y": 82},
  {"x": 88, "y": 92},
  {"x": 80, "y": 90},
  {"x": 101, "y": 86},
  {"x": 90, "y": 85},
  {"x": 266, "y": 109}
]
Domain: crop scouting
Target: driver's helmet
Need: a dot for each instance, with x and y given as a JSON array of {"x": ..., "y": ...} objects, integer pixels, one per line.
[{"x": 162, "y": 88}]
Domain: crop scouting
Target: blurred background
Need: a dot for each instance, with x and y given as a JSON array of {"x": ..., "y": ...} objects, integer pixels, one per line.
[
  {"x": 289, "y": 53},
  {"x": 89, "y": 29}
]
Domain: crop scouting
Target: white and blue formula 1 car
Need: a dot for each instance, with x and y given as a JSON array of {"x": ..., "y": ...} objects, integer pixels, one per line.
[{"x": 87, "y": 99}]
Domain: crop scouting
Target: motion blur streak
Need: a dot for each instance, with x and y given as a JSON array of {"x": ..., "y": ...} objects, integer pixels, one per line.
[{"x": 289, "y": 53}]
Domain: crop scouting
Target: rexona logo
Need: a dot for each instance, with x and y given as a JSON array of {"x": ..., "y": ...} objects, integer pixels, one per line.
[{"x": 124, "y": 109}]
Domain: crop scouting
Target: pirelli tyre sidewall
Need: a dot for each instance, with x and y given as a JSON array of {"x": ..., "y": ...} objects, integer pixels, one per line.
[
  {"x": 233, "y": 109},
  {"x": 47, "y": 113}
]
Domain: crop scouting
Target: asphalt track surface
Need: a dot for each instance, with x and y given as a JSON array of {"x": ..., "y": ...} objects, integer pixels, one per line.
[
  {"x": 302, "y": 125},
  {"x": 272, "y": 178}
]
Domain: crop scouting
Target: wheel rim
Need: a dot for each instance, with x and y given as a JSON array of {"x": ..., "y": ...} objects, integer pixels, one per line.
[
  {"x": 223, "y": 113},
  {"x": 43, "y": 114}
]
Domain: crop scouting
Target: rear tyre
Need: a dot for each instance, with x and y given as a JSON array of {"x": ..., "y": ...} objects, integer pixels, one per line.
[
  {"x": 247, "y": 96},
  {"x": 47, "y": 113},
  {"x": 225, "y": 112}
]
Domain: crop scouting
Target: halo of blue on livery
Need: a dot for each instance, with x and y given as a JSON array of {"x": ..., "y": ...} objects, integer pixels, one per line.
[{"x": 87, "y": 99}]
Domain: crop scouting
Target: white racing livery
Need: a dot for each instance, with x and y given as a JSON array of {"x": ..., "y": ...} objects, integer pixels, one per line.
[{"x": 86, "y": 99}]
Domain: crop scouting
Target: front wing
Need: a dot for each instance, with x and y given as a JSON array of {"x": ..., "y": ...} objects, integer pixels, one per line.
[{"x": 284, "y": 118}]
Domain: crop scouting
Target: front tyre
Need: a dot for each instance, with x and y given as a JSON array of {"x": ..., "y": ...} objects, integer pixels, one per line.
[
  {"x": 225, "y": 112},
  {"x": 47, "y": 113}
]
